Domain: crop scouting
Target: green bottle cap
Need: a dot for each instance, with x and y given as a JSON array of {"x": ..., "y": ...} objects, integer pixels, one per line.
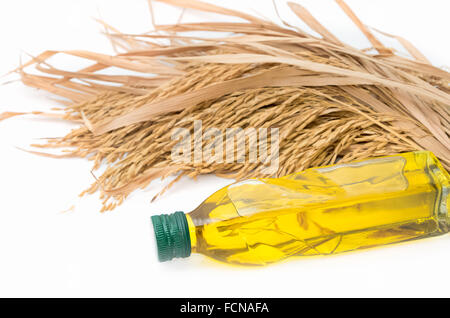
[{"x": 172, "y": 236}]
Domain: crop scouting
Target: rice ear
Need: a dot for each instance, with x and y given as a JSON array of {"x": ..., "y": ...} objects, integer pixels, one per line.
[{"x": 330, "y": 101}]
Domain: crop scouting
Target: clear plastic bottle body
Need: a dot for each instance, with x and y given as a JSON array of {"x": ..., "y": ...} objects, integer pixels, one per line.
[{"x": 324, "y": 211}]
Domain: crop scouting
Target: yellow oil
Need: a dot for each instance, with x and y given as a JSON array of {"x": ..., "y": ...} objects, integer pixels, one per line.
[{"x": 324, "y": 211}]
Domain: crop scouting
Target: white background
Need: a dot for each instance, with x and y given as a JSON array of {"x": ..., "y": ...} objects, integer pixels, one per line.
[{"x": 46, "y": 249}]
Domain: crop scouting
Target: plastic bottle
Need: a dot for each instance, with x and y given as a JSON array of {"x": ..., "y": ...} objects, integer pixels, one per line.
[{"x": 319, "y": 211}]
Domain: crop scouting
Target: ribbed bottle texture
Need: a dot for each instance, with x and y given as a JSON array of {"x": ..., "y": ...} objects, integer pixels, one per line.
[{"x": 172, "y": 236}]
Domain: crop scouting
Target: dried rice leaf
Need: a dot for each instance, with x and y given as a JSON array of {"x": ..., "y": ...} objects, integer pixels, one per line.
[
  {"x": 375, "y": 42},
  {"x": 304, "y": 14}
]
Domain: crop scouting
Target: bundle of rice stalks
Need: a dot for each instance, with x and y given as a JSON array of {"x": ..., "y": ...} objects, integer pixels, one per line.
[{"x": 331, "y": 102}]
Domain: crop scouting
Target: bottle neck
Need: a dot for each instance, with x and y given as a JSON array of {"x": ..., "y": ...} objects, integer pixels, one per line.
[
  {"x": 192, "y": 232},
  {"x": 173, "y": 235}
]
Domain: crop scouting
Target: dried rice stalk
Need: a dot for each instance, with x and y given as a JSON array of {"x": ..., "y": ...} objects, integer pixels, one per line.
[{"x": 330, "y": 101}]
